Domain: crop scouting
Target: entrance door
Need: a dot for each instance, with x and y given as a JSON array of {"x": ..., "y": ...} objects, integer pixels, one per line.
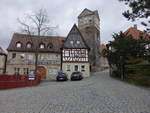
[{"x": 41, "y": 72}]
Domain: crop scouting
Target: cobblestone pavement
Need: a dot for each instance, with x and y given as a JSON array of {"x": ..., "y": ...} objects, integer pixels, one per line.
[{"x": 96, "y": 94}]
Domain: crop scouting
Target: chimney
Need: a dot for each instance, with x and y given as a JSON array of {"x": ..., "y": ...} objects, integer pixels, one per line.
[{"x": 135, "y": 26}]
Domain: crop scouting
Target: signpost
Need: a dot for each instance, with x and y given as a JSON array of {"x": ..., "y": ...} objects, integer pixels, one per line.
[{"x": 31, "y": 76}]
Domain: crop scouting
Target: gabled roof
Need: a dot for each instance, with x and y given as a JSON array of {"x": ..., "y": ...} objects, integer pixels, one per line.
[
  {"x": 88, "y": 12},
  {"x": 136, "y": 34},
  {"x": 85, "y": 12},
  {"x": 75, "y": 35},
  {"x": 2, "y": 52},
  {"x": 56, "y": 42}
]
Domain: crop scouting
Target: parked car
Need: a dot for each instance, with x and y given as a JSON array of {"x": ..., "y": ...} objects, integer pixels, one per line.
[
  {"x": 76, "y": 76},
  {"x": 61, "y": 76}
]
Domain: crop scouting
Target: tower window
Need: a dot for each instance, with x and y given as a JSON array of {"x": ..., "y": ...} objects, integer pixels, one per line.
[{"x": 90, "y": 20}]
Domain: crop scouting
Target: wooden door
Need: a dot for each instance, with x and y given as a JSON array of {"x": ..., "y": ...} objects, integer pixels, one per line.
[{"x": 42, "y": 72}]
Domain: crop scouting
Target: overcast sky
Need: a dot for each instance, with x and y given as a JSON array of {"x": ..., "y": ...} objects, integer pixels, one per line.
[{"x": 64, "y": 14}]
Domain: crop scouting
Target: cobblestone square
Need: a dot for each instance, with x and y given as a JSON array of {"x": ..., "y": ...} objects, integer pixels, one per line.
[{"x": 96, "y": 94}]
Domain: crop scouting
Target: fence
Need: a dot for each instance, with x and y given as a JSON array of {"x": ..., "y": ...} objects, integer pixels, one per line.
[{"x": 14, "y": 81}]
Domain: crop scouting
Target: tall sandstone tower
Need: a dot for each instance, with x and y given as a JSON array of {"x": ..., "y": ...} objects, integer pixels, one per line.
[{"x": 89, "y": 25}]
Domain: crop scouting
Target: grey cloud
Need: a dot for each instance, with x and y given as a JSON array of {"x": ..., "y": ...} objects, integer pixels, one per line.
[{"x": 64, "y": 14}]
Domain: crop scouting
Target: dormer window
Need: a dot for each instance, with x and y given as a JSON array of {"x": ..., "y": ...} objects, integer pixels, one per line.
[
  {"x": 78, "y": 42},
  {"x": 42, "y": 46},
  {"x": 50, "y": 45},
  {"x": 71, "y": 42},
  {"x": 29, "y": 45},
  {"x": 18, "y": 45}
]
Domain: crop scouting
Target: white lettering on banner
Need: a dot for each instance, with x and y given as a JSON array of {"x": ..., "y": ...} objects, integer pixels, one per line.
[{"x": 52, "y": 71}]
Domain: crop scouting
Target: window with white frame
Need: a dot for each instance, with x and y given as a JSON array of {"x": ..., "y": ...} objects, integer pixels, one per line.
[
  {"x": 66, "y": 53},
  {"x": 68, "y": 68},
  {"x": 41, "y": 57},
  {"x": 17, "y": 70},
  {"x": 30, "y": 57}
]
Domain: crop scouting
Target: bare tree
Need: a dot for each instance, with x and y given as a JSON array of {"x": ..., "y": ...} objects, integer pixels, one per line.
[{"x": 36, "y": 24}]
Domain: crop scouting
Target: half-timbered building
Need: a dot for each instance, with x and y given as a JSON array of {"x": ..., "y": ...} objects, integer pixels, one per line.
[{"x": 75, "y": 54}]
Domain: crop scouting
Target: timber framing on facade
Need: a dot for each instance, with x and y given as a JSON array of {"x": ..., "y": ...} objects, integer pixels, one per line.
[{"x": 75, "y": 53}]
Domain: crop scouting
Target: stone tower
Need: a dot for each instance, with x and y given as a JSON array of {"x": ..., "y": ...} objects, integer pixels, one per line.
[{"x": 89, "y": 25}]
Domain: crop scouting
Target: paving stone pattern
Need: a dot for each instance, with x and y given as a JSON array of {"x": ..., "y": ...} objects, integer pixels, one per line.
[{"x": 96, "y": 94}]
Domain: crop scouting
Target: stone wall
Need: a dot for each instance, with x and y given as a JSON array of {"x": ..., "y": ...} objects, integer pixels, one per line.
[
  {"x": 24, "y": 60},
  {"x": 90, "y": 35}
]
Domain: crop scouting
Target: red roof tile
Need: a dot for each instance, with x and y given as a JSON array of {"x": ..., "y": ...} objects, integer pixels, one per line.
[
  {"x": 135, "y": 33},
  {"x": 103, "y": 47}
]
